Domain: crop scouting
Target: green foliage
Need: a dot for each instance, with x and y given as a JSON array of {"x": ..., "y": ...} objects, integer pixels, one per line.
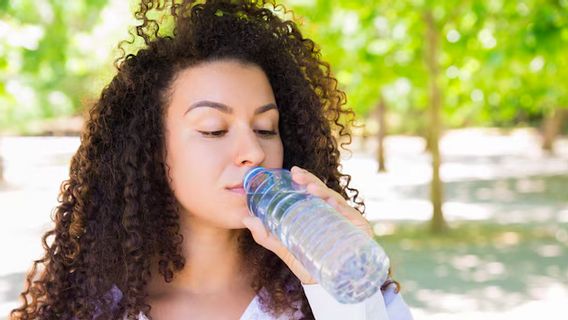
[
  {"x": 501, "y": 62},
  {"x": 54, "y": 58}
]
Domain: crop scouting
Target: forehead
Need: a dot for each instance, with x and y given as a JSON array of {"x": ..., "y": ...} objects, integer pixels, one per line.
[{"x": 226, "y": 81}]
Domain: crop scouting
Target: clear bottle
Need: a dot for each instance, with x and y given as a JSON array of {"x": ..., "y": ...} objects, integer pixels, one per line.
[{"x": 344, "y": 260}]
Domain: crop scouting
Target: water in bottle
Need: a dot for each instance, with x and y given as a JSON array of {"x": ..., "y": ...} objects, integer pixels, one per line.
[{"x": 348, "y": 263}]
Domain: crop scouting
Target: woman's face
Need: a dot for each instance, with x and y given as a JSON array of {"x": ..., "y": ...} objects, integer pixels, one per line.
[{"x": 222, "y": 120}]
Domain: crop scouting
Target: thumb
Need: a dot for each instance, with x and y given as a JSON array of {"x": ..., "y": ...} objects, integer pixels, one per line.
[
  {"x": 270, "y": 242},
  {"x": 259, "y": 232},
  {"x": 262, "y": 236}
]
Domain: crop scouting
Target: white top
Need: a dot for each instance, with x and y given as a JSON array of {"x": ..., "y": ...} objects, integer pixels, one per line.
[{"x": 391, "y": 306}]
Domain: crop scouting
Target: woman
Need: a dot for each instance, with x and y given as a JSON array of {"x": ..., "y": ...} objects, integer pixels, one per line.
[{"x": 153, "y": 220}]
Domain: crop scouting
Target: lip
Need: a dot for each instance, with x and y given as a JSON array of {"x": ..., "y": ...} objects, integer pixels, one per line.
[
  {"x": 236, "y": 185},
  {"x": 239, "y": 190}
]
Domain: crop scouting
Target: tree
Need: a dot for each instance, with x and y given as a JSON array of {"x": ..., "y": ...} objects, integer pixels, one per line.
[
  {"x": 54, "y": 57},
  {"x": 403, "y": 45},
  {"x": 436, "y": 189},
  {"x": 378, "y": 52},
  {"x": 521, "y": 79}
]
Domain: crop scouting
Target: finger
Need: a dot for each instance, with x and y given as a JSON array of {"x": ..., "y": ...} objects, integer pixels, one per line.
[
  {"x": 323, "y": 192},
  {"x": 261, "y": 235},
  {"x": 270, "y": 242},
  {"x": 345, "y": 209},
  {"x": 332, "y": 202},
  {"x": 352, "y": 215},
  {"x": 256, "y": 227},
  {"x": 317, "y": 188},
  {"x": 303, "y": 176}
]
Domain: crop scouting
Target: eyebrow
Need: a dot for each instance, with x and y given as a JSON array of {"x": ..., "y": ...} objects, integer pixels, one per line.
[{"x": 225, "y": 108}]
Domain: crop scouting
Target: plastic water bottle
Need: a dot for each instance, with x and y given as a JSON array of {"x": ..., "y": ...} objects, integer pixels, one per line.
[{"x": 344, "y": 260}]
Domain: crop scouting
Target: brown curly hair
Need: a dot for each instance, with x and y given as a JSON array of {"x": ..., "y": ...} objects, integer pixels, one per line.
[{"x": 117, "y": 213}]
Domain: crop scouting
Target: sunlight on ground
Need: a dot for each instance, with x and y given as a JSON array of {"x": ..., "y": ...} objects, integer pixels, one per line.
[{"x": 551, "y": 300}]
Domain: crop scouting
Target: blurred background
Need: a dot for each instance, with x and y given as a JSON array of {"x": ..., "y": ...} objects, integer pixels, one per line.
[{"x": 460, "y": 149}]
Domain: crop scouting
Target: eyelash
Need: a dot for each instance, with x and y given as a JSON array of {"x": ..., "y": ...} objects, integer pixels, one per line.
[{"x": 220, "y": 133}]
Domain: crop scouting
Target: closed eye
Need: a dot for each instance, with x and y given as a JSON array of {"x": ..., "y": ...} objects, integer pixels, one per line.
[
  {"x": 214, "y": 134},
  {"x": 220, "y": 133},
  {"x": 267, "y": 133}
]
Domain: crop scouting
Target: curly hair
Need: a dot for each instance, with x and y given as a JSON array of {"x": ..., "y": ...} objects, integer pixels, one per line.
[{"x": 117, "y": 215}]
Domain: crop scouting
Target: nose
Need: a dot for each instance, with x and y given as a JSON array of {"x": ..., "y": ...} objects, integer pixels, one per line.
[{"x": 249, "y": 151}]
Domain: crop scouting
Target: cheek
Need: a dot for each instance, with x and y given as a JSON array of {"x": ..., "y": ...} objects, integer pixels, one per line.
[
  {"x": 195, "y": 166},
  {"x": 274, "y": 151}
]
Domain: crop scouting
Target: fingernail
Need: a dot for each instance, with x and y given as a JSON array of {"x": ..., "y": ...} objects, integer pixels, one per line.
[{"x": 300, "y": 169}]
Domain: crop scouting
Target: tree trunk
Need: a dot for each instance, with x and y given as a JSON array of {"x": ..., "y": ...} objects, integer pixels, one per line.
[
  {"x": 428, "y": 141},
  {"x": 364, "y": 137},
  {"x": 381, "y": 115},
  {"x": 551, "y": 128},
  {"x": 438, "y": 223}
]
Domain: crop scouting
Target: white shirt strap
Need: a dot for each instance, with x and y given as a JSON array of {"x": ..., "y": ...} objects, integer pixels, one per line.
[{"x": 325, "y": 307}]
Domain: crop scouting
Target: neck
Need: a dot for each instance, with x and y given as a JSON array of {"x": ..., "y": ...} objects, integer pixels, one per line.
[{"x": 213, "y": 262}]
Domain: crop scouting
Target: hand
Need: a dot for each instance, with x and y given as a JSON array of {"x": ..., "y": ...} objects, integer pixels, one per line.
[{"x": 317, "y": 188}]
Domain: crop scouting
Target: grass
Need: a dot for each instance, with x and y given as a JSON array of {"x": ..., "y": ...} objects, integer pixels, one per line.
[{"x": 481, "y": 265}]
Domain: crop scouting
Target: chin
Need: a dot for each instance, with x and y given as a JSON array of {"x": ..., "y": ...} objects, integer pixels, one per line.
[{"x": 234, "y": 221}]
